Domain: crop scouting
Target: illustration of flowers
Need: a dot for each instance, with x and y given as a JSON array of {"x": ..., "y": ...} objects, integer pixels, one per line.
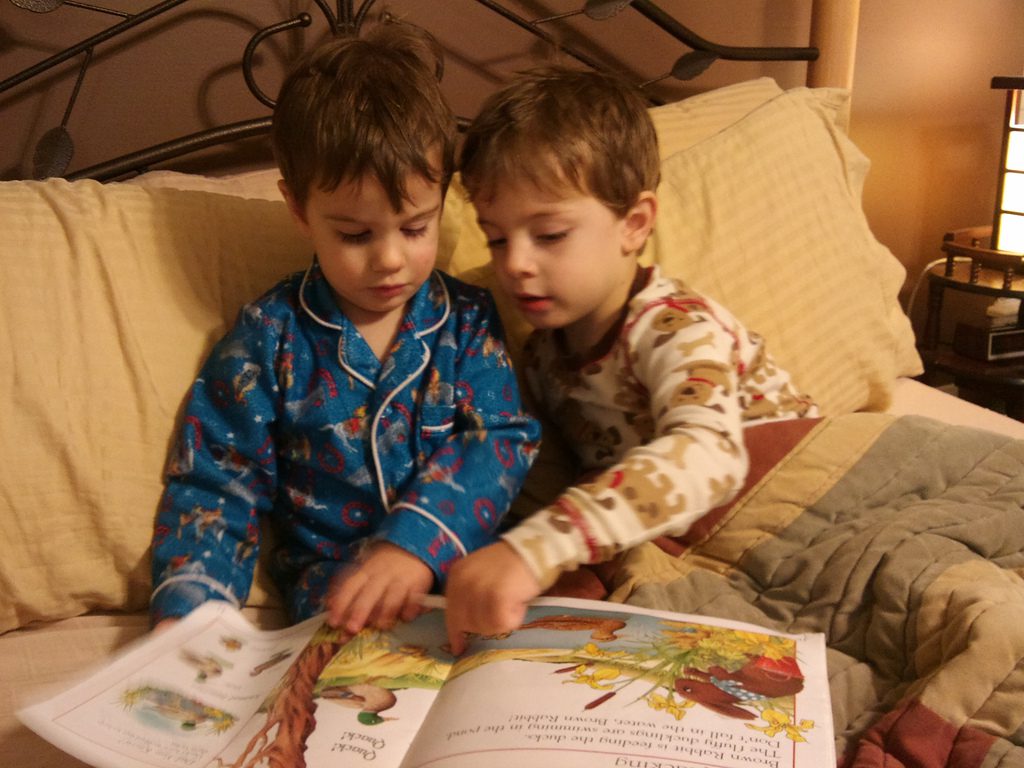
[
  {"x": 738, "y": 674},
  {"x": 734, "y": 673}
]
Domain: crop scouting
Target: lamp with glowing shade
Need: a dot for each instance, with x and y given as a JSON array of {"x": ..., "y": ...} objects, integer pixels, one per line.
[
  {"x": 1008, "y": 223},
  {"x": 999, "y": 248},
  {"x": 995, "y": 255}
]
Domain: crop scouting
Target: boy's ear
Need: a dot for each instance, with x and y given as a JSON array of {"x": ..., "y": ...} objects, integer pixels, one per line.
[
  {"x": 296, "y": 210},
  {"x": 639, "y": 221}
]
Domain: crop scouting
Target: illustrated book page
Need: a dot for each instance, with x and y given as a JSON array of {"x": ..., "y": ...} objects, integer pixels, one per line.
[{"x": 582, "y": 684}]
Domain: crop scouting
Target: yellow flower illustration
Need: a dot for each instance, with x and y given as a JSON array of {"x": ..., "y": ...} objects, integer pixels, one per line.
[
  {"x": 591, "y": 650},
  {"x": 669, "y": 704},
  {"x": 599, "y": 677},
  {"x": 779, "y": 722}
]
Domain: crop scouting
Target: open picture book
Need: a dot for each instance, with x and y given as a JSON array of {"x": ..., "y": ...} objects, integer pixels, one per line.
[{"x": 581, "y": 684}]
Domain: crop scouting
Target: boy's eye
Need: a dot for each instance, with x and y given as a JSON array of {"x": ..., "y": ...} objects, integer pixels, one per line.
[
  {"x": 415, "y": 231},
  {"x": 552, "y": 237},
  {"x": 494, "y": 243},
  {"x": 354, "y": 238}
]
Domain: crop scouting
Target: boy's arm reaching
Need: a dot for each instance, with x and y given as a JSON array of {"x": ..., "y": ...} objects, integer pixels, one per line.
[
  {"x": 695, "y": 462},
  {"x": 220, "y": 477},
  {"x": 488, "y": 594}
]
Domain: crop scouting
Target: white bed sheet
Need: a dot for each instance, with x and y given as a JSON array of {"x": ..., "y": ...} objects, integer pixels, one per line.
[{"x": 913, "y": 397}]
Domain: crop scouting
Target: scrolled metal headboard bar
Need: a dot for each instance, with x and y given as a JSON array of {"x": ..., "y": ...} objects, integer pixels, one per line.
[
  {"x": 168, "y": 150},
  {"x": 58, "y": 58},
  {"x": 302, "y": 20},
  {"x": 348, "y": 20},
  {"x": 533, "y": 28},
  {"x": 730, "y": 52}
]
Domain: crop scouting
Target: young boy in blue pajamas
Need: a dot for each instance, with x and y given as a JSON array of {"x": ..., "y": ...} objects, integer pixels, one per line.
[
  {"x": 650, "y": 383},
  {"x": 367, "y": 405}
]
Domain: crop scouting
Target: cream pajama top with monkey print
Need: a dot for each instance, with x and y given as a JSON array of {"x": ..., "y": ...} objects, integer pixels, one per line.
[{"x": 656, "y": 424}]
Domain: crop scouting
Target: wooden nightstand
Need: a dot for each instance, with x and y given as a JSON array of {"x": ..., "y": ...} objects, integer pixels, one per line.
[{"x": 989, "y": 273}]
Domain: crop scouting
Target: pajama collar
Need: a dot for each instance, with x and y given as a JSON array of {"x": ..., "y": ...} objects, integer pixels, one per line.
[{"x": 426, "y": 312}]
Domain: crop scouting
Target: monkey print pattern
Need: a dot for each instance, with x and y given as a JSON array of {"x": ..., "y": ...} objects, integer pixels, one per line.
[
  {"x": 645, "y": 489},
  {"x": 656, "y": 424}
]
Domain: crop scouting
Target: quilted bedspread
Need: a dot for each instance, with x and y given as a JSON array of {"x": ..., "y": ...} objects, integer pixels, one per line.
[{"x": 902, "y": 539}]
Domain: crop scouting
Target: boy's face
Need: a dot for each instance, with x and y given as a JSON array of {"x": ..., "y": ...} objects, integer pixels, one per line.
[
  {"x": 566, "y": 260},
  {"x": 373, "y": 258}
]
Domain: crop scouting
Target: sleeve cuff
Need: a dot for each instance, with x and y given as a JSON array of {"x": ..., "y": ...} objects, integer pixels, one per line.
[
  {"x": 424, "y": 534},
  {"x": 535, "y": 542},
  {"x": 180, "y": 595}
]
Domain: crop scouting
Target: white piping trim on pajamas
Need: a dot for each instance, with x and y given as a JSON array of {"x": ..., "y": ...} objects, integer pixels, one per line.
[
  {"x": 376, "y": 420},
  {"x": 334, "y": 327},
  {"x": 391, "y": 395},
  {"x": 213, "y": 584},
  {"x": 436, "y": 521},
  {"x": 447, "y": 309}
]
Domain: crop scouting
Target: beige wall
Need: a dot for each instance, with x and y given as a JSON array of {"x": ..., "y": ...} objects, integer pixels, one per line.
[{"x": 923, "y": 111}]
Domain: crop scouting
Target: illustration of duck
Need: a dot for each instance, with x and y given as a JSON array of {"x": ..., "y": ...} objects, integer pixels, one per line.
[
  {"x": 189, "y": 714},
  {"x": 370, "y": 699},
  {"x": 206, "y": 666}
]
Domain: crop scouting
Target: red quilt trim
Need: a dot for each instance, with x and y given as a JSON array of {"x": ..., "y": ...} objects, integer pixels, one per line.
[
  {"x": 767, "y": 444},
  {"x": 913, "y": 736}
]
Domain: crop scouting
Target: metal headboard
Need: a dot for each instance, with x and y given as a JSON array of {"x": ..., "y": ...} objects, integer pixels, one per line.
[{"x": 54, "y": 150}]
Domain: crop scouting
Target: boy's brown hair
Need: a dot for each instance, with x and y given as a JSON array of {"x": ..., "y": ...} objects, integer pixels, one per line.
[
  {"x": 370, "y": 105},
  {"x": 555, "y": 126}
]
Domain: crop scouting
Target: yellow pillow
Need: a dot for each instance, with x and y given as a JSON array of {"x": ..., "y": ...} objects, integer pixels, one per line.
[
  {"x": 766, "y": 217},
  {"x": 110, "y": 297},
  {"x": 760, "y": 206},
  {"x": 681, "y": 124}
]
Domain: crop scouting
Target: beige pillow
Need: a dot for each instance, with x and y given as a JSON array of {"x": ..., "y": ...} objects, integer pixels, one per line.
[
  {"x": 760, "y": 206},
  {"x": 766, "y": 217},
  {"x": 258, "y": 184},
  {"x": 110, "y": 297},
  {"x": 681, "y": 124}
]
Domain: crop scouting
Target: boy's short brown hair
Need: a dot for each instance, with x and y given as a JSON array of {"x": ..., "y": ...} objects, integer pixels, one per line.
[
  {"x": 370, "y": 105},
  {"x": 556, "y": 126}
]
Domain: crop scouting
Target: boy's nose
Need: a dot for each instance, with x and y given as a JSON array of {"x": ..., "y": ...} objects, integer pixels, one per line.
[
  {"x": 518, "y": 259},
  {"x": 388, "y": 256}
]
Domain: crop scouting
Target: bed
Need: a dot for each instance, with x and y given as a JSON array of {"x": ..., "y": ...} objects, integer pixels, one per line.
[{"x": 893, "y": 524}]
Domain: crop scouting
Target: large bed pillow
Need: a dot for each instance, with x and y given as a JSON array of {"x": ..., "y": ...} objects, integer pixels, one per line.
[
  {"x": 681, "y": 124},
  {"x": 766, "y": 217},
  {"x": 110, "y": 296},
  {"x": 760, "y": 207}
]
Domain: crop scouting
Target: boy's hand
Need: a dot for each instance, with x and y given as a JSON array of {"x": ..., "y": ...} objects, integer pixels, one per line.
[
  {"x": 487, "y": 593},
  {"x": 163, "y": 625},
  {"x": 389, "y": 584}
]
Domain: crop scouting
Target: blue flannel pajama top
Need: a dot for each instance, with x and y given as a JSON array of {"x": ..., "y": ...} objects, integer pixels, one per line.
[{"x": 293, "y": 416}]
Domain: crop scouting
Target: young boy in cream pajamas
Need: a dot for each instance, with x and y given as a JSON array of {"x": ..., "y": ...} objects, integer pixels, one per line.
[{"x": 650, "y": 383}]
